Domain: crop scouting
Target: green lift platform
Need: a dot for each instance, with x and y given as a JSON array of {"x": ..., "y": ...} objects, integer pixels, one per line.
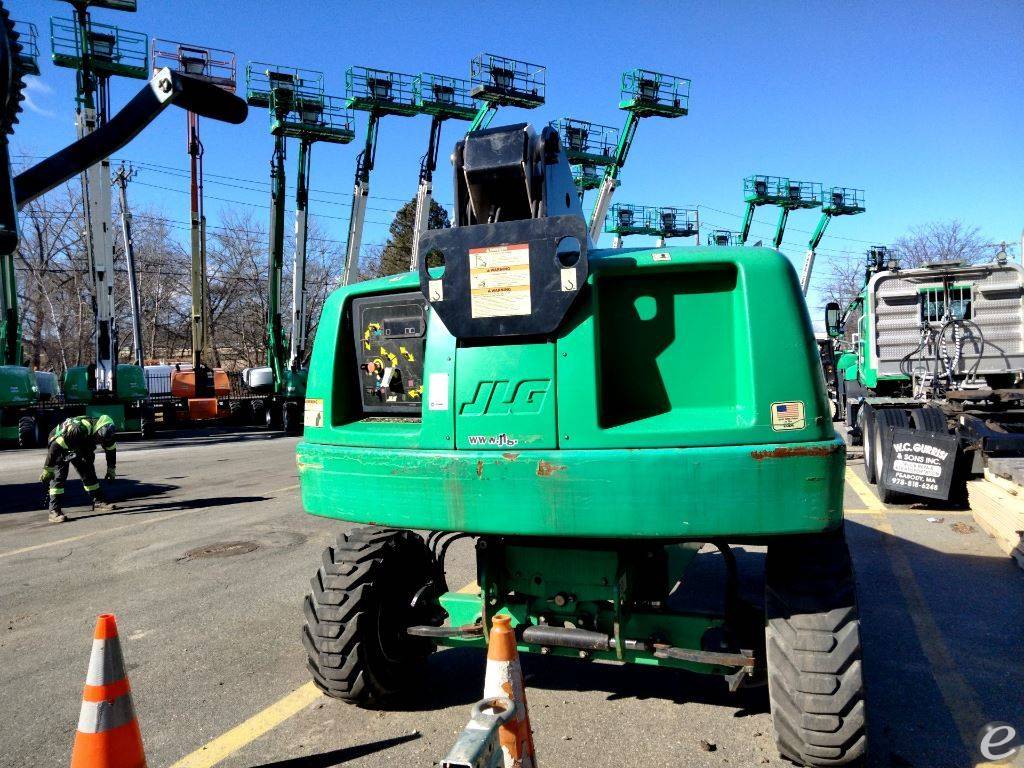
[
  {"x": 723, "y": 237},
  {"x": 99, "y": 52},
  {"x": 589, "y": 148},
  {"x": 664, "y": 223},
  {"x": 838, "y": 201},
  {"x": 378, "y": 92},
  {"x": 494, "y": 82},
  {"x": 299, "y": 109},
  {"x": 673, "y": 222},
  {"x": 498, "y": 81},
  {"x": 785, "y": 193},
  {"x": 443, "y": 98},
  {"x": 643, "y": 93}
]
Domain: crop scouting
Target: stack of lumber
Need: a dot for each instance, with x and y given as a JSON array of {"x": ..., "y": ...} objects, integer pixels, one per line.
[{"x": 997, "y": 504}]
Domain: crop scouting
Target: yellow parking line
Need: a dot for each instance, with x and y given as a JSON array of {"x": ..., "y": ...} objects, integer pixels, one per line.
[
  {"x": 263, "y": 722},
  {"x": 469, "y": 589},
  {"x": 226, "y": 745},
  {"x": 960, "y": 698},
  {"x": 863, "y": 492}
]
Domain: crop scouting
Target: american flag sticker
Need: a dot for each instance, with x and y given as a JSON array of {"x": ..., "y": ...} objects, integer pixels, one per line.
[{"x": 788, "y": 415}]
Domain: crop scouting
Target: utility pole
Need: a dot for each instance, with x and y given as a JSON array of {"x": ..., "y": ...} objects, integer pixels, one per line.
[{"x": 121, "y": 178}]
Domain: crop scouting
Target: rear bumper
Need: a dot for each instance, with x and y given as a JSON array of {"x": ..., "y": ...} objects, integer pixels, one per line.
[{"x": 734, "y": 491}]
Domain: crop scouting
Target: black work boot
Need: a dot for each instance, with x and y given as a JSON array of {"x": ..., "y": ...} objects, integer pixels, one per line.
[
  {"x": 56, "y": 516},
  {"x": 99, "y": 505}
]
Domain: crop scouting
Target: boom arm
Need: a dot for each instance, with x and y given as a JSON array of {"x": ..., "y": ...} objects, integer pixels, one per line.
[
  {"x": 360, "y": 193},
  {"x": 424, "y": 194},
  {"x": 164, "y": 88},
  {"x": 819, "y": 232},
  {"x": 275, "y": 339},
  {"x": 611, "y": 177}
]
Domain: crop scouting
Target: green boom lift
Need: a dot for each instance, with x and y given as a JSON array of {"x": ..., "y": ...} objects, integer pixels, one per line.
[
  {"x": 495, "y": 81},
  {"x": 589, "y": 148},
  {"x": 299, "y": 109},
  {"x": 838, "y": 201},
  {"x": 379, "y": 93},
  {"x": 203, "y": 397},
  {"x": 723, "y": 237},
  {"x": 21, "y": 419},
  {"x": 98, "y": 52},
  {"x": 543, "y": 404},
  {"x": 788, "y": 194},
  {"x": 88, "y": 151},
  {"x": 643, "y": 94}
]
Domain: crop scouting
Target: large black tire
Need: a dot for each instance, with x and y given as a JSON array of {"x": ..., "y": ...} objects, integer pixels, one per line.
[
  {"x": 866, "y": 420},
  {"x": 27, "y": 432},
  {"x": 358, "y": 611},
  {"x": 884, "y": 419},
  {"x": 815, "y": 680},
  {"x": 928, "y": 419},
  {"x": 291, "y": 422}
]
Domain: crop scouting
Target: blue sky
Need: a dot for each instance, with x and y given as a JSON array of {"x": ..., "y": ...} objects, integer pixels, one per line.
[{"x": 918, "y": 103}]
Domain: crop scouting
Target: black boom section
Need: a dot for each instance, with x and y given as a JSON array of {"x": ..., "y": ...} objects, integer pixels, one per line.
[{"x": 517, "y": 257}]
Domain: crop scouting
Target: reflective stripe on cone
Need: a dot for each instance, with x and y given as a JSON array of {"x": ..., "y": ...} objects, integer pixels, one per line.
[
  {"x": 504, "y": 677},
  {"x": 108, "y": 731}
]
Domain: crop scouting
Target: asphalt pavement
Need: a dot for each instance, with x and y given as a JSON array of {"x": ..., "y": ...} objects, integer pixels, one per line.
[{"x": 206, "y": 562}]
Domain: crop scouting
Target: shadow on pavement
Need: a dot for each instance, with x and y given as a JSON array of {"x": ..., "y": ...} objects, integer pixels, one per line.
[
  {"x": 174, "y": 505},
  {"x": 340, "y": 756},
  {"x": 25, "y": 497}
]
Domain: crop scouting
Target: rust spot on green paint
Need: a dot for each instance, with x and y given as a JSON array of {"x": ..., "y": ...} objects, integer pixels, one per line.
[
  {"x": 510, "y": 456},
  {"x": 480, "y": 469},
  {"x": 547, "y": 469},
  {"x": 801, "y": 450}
]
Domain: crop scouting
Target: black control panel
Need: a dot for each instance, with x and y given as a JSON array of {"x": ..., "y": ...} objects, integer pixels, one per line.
[{"x": 390, "y": 335}]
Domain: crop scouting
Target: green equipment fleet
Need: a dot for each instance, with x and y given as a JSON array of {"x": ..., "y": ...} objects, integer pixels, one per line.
[
  {"x": 541, "y": 397},
  {"x": 930, "y": 382}
]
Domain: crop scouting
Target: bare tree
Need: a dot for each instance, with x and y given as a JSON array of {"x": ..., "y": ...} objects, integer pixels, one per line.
[{"x": 942, "y": 241}]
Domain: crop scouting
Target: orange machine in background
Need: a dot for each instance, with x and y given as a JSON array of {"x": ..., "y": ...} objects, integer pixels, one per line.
[{"x": 203, "y": 401}]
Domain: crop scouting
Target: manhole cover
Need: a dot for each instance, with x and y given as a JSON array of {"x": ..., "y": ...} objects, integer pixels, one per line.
[{"x": 222, "y": 549}]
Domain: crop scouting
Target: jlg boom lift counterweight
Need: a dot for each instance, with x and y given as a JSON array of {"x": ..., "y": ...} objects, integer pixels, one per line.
[
  {"x": 91, "y": 148},
  {"x": 643, "y": 94},
  {"x": 203, "y": 389},
  {"x": 97, "y": 52},
  {"x": 299, "y": 109},
  {"x": 495, "y": 81}
]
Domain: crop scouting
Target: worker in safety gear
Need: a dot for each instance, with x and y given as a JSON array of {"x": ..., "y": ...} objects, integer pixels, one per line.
[{"x": 74, "y": 442}]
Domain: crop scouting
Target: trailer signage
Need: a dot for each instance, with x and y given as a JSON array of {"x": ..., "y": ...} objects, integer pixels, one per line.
[{"x": 919, "y": 463}]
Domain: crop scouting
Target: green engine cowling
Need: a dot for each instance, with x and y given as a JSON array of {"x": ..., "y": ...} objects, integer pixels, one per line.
[
  {"x": 17, "y": 386},
  {"x": 131, "y": 383},
  {"x": 680, "y": 397}
]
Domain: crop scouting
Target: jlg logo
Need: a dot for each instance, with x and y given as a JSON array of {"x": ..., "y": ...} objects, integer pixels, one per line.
[{"x": 503, "y": 398}]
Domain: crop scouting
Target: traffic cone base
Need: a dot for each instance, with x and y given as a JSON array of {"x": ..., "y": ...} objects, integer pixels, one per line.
[
  {"x": 108, "y": 731},
  {"x": 504, "y": 677}
]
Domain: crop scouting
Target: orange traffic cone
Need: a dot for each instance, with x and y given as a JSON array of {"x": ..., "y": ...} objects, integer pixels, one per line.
[
  {"x": 504, "y": 677},
  {"x": 108, "y": 733}
]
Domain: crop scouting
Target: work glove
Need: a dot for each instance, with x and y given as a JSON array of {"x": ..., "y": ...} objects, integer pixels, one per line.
[
  {"x": 111, "y": 474},
  {"x": 47, "y": 475}
]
